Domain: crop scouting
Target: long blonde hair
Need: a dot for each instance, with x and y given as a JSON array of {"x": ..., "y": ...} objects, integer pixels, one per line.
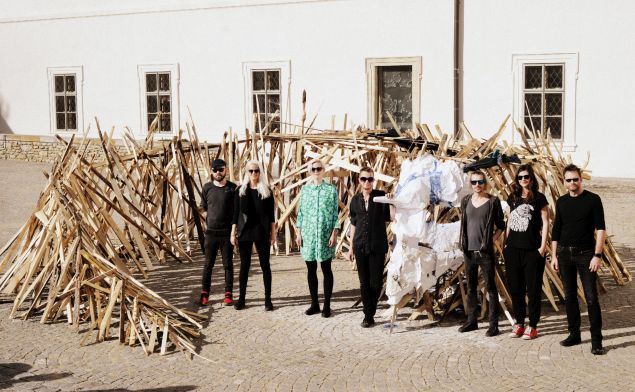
[{"x": 263, "y": 184}]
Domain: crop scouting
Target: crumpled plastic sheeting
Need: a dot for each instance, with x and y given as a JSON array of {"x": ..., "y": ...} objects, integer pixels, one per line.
[{"x": 422, "y": 181}]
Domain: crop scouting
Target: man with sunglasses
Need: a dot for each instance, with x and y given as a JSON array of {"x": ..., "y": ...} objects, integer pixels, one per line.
[
  {"x": 578, "y": 236},
  {"x": 218, "y": 205},
  {"x": 482, "y": 223},
  {"x": 370, "y": 242}
]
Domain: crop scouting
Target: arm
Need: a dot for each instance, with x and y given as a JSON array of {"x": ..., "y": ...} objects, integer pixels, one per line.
[
  {"x": 272, "y": 218},
  {"x": 335, "y": 217},
  {"x": 499, "y": 219},
  {"x": 353, "y": 217},
  {"x": 298, "y": 222},
  {"x": 555, "y": 237},
  {"x": 600, "y": 234},
  {"x": 233, "y": 235},
  {"x": 544, "y": 214}
]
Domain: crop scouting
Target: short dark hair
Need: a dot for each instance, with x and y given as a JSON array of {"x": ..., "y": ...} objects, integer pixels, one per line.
[
  {"x": 366, "y": 169},
  {"x": 478, "y": 173},
  {"x": 572, "y": 168}
]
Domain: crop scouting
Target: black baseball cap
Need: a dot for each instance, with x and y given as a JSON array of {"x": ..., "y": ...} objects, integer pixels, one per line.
[{"x": 218, "y": 163}]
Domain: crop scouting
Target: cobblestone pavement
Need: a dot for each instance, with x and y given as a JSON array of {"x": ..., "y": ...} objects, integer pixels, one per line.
[{"x": 286, "y": 350}]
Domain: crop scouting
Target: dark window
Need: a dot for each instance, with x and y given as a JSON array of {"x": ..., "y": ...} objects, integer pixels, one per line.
[
  {"x": 159, "y": 100},
  {"x": 265, "y": 89},
  {"x": 65, "y": 103},
  {"x": 544, "y": 98},
  {"x": 394, "y": 96}
]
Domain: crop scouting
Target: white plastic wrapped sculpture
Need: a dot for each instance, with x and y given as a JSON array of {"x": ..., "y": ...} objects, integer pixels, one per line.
[{"x": 425, "y": 249}]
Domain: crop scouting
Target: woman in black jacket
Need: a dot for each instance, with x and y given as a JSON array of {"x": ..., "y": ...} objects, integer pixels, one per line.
[{"x": 254, "y": 223}]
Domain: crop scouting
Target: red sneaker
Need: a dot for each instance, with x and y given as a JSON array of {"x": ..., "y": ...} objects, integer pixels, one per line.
[
  {"x": 530, "y": 333},
  {"x": 517, "y": 331},
  {"x": 228, "y": 298},
  {"x": 204, "y": 298}
]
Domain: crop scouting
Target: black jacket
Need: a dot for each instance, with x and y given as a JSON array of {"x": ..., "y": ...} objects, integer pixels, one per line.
[
  {"x": 378, "y": 215},
  {"x": 494, "y": 218},
  {"x": 264, "y": 212}
]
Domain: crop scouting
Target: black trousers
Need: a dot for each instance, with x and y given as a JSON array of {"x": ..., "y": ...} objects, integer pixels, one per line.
[
  {"x": 474, "y": 260},
  {"x": 571, "y": 263},
  {"x": 312, "y": 279},
  {"x": 212, "y": 245},
  {"x": 262, "y": 247},
  {"x": 370, "y": 269},
  {"x": 525, "y": 269}
]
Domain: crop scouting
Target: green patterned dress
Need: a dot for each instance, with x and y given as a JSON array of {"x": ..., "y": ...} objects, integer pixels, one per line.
[{"x": 317, "y": 217}]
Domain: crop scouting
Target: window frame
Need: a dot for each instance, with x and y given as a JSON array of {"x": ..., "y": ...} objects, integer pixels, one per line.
[
  {"x": 284, "y": 66},
  {"x": 173, "y": 70},
  {"x": 78, "y": 72},
  {"x": 372, "y": 89},
  {"x": 569, "y": 61}
]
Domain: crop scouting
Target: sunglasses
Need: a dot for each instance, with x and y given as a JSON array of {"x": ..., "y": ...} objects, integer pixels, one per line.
[
  {"x": 525, "y": 177},
  {"x": 366, "y": 179},
  {"x": 315, "y": 169},
  {"x": 252, "y": 171},
  {"x": 479, "y": 182},
  {"x": 218, "y": 169},
  {"x": 572, "y": 179}
]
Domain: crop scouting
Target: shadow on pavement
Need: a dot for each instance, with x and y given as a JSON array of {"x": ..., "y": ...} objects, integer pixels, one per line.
[{"x": 18, "y": 373}]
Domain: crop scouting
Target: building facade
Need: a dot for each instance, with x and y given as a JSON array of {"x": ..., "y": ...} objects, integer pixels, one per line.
[{"x": 563, "y": 65}]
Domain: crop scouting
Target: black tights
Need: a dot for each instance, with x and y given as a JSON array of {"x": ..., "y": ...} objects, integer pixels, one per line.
[
  {"x": 245, "y": 248},
  {"x": 313, "y": 281}
]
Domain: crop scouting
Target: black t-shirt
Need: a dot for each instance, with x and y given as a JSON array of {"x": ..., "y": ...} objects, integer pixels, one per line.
[
  {"x": 525, "y": 222},
  {"x": 577, "y": 218},
  {"x": 219, "y": 204}
]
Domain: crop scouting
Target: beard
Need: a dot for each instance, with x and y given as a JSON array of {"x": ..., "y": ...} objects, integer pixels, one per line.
[{"x": 219, "y": 177}]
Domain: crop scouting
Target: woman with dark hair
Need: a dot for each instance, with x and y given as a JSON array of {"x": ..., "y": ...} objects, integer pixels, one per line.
[
  {"x": 254, "y": 224},
  {"x": 525, "y": 248}
]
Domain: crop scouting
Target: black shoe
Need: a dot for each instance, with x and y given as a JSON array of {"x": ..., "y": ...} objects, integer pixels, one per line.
[
  {"x": 468, "y": 327},
  {"x": 326, "y": 312},
  {"x": 571, "y": 340},
  {"x": 492, "y": 331},
  {"x": 314, "y": 309},
  {"x": 598, "y": 350},
  {"x": 239, "y": 305},
  {"x": 268, "y": 306}
]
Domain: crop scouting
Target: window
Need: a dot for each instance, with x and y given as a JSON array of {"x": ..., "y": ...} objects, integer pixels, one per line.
[
  {"x": 65, "y": 95},
  {"x": 267, "y": 87},
  {"x": 544, "y": 98},
  {"x": 545, "y": 95},
  {"x": 394, "y": 86},
  {"x": 159, "y": 96},
  {"x": 266, "y": 97}
]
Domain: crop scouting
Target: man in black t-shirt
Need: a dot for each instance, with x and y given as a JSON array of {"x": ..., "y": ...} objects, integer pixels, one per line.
[
  {"x": 579, "y": 215},
  {"x": 218, "y": 205}
]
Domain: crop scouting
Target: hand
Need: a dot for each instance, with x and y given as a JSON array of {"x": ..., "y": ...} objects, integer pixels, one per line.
[
  {"x": 350, "y": 256},
  {"x": 273, "y": 238},
  {"x": 389, "y": 195},
  {"x": 298, "y": 239},
  {"x": 595, "y": 264},
  {"x": 332, "y": 240},
  {"x": 554, "y": 262},
  {"x": 542, "y": 250},
  {"x": 232, "y": 239}
]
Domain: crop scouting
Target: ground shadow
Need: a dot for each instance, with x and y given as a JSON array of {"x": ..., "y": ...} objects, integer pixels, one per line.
[{"x": 10, "y": 375}]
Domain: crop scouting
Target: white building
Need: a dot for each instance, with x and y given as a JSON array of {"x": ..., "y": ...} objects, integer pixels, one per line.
[{"x": 65, "y": 62}]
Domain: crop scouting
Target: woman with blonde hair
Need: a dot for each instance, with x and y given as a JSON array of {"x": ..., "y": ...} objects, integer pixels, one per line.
[
  {"x": 316, "y": 234},
  {"x": 254, "y": 223}
]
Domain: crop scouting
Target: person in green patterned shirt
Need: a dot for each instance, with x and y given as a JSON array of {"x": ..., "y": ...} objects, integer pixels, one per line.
[{"x": 316, "y": 234}]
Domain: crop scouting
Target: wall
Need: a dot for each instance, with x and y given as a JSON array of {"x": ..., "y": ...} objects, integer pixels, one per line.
[
  {"x": 600, "y": 33},
  {"x": 326, "y": 42}
]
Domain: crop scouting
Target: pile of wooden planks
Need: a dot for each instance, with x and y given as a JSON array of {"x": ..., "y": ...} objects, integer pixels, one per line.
[{"x": 100, "y": 225}]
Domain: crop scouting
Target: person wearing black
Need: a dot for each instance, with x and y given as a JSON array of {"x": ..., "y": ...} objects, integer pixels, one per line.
[
  {"x": 370, "y": 242},
  {"x": 217, "y": 203},
  {"x": 527, "y": 227},
  {"x": 482, "y": 223},
  {"x": 579, "y": 216},
  {"x": 254, "y": 224}
]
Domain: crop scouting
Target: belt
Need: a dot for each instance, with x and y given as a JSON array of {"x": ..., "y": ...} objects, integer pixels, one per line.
[{"x": 575, "y": 249}]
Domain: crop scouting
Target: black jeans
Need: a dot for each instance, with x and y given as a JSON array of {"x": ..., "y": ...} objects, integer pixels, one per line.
[
  {"x": 474, "y": 260},
  {"x": 370, "y": 269},
  {"x": 525, "y": 269},
  {"x": 572, "y": 262},
  {"x": 262, "y": 247},
  {"x": 313, "y": 281},
  {"x": 212, "y": 245}
]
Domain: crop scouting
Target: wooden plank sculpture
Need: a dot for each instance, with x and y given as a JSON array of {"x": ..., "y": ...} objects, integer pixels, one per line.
[{"x": 99, "y": 226}]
